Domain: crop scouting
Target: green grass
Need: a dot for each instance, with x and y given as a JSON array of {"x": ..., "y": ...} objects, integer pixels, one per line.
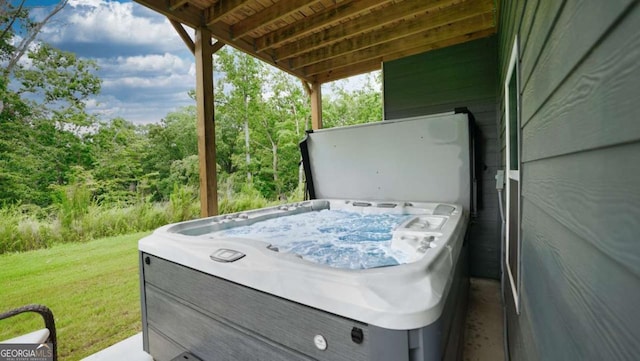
[{"x": 92, "y": 289}]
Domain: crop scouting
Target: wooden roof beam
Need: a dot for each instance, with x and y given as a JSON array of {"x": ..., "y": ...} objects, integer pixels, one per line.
[
  {"x": 177, "y": 4},
  {"x": 440, "y": 44},
  {"x": 373, "y": 20},
  {"x": 306, "y": 87},
  {"x": 183, "y": 35},
  {"x": 188, "y": 15},
  {"x": 350, "y": 70},
  {"x": 268, "y": 16},
  {"x": 222, "y": 8},
  {"x": 424, "y": 22},
  {"x": 217, "y": 46},
  {"x": 327, "y": 17},
  {"x": 223, "y": 34},
  {"x": 375, "y": 64},
  {"x": 476, "y": 23}
]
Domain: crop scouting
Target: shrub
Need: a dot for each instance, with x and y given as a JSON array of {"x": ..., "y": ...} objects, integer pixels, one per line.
[{"x": 75, "y": 218}]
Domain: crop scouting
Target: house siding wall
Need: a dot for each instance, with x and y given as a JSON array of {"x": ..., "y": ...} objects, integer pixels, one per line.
[
  {"x": 438, "y": 81},
  {"x": 580, "y": 85}
]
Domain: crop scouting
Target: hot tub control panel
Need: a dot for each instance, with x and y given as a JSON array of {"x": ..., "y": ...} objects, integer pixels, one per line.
[{"x": 226, "y": 255}]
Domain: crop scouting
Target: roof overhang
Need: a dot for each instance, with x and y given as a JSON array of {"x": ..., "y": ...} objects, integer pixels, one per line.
[{"x": 325, "y": 40}]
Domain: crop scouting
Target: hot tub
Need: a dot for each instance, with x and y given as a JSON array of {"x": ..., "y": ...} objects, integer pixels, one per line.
[
  {"x": 220, "y": 291},
  {"x": 225, "y": 296}
]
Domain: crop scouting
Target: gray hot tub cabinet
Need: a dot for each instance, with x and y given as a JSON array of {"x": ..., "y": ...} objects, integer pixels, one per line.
[{"x": 185, "y": 310}]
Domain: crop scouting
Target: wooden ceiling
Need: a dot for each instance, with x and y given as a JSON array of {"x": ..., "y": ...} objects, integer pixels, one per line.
[{"x": 326, "y": 40}]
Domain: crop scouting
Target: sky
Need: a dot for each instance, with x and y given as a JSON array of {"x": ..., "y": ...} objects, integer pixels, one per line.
[{"x": 146, "y": 69}]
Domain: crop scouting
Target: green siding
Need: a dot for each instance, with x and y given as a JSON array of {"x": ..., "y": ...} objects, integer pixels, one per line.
[
  {"x": 580, "y": 71},
  {"x": 434, "y": 81},
  {"x": 439, "y": 81}
]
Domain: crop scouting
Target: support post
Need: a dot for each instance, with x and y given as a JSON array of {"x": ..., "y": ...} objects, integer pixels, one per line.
[
  {"x": 206, "y": 123},
  {"x": 316, "y": 106}
]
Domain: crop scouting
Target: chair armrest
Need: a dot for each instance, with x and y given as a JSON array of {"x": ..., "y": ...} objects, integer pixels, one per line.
[{"x": 47, "y": 316}]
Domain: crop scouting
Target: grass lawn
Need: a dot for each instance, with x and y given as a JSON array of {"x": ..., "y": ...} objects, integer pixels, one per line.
[{"x": 92, "y": 289}]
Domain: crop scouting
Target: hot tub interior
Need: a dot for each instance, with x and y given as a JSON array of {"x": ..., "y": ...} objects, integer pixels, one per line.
[{"x": 341, "y": 234}]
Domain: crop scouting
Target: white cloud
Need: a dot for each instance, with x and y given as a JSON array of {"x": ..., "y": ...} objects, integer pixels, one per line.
[
  {"x": 151, "y": 63},
  {"x": 146, "y": 69},
  {"x": 100, "y": 21},
  {"x": 93, "y": 3},
  {"x": 146, "y": 82}
]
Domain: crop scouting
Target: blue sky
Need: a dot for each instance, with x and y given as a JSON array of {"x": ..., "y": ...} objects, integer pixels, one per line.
[{"x": 146, "y": 69}]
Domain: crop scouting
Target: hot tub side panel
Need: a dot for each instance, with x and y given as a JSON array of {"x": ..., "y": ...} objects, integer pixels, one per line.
[
  {"x": 214, "y": 319},
  {"x": 219, "y": 320}
]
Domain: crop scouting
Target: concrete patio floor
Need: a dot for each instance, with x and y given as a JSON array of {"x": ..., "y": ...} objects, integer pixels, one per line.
[{"x": 484, "y": 324}]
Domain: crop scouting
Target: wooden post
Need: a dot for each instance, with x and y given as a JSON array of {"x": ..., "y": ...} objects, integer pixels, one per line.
[
  {"x": 316, "y": 106},
  {"x": 206, "y": 123}
]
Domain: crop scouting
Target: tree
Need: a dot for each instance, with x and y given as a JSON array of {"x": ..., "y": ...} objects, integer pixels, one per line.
[
  {"x": 118, "y": 148},
  {"x": 173, "y": 139},
  {"x": 344, "y": 107},
  {"x": 281, "y": 130},
  {"x": 242, "y": 78},
  {"x": 12, "y": 18},
  {"x": 60, "y": 83},
  {"x": 42, "y": 109}
]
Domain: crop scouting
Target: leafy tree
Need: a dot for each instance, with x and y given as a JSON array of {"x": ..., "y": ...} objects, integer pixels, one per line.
[
  {"x": 59, "y": 83},
  {"x": 185, "y": 172},
  {"x": 241, "y": 94},
  {"x": 173, "y": 139},
  {"x": 42, "y": 109},
  {"x": 228, "y": 143},
  {"x": 118, "y": 148},
  {"x": 16, "y": 19},
  {"x": 278, "y": 133},
  {"x": 345, "y": 107}
]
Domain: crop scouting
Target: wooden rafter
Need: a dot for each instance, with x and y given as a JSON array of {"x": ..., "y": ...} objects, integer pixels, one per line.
[
  {"x": 177, "y": 4},
  {"x": 478, "y": 22},
  {"x": 187, "y": 15},
  {"x": 223, "y": 33},
  {"x": 419, "y": 24},
  {"x": 347, "y": 71},
  {"x": 268, "y": 16},
  {"x": 368, "y": 22},
  {"x": 374, "y": 64},
  {"x": 222, "y": 8},
  {"x": 440, "y": 44},
  {"x": 328, "y": 17},
  {"x": 323, "y": 40}
]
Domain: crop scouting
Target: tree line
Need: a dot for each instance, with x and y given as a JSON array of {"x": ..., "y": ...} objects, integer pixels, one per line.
[
  {"x": 60, "y": 164},
  {"x": 49, "y": 140}
]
